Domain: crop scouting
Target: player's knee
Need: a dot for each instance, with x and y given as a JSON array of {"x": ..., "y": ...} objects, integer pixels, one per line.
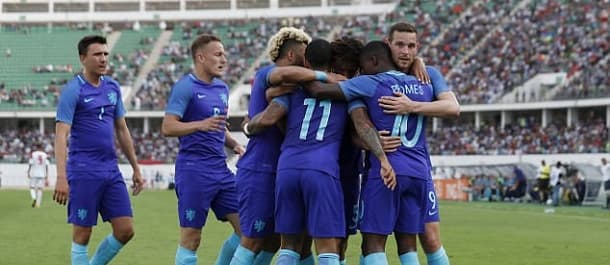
[
  {"x": 124, "y": 235},
  {"x": 373, "y": 244},
  {"x": 253, "y": 244},
  {"x": 431, "y": 241}
]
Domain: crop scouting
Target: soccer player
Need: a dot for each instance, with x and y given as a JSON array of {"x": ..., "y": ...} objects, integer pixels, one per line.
[
  {"x": 38, "y": 174},
  {"x": 308, "y": 193},
  {"x": 196, "y": 114},
  {"x": 257, "y": 168},
  {"x": 91, "y": 110},
  {"x": 345, "y": 52},
  {"x": 384, "y": 212},
  {"x": 403, "y": 43}
]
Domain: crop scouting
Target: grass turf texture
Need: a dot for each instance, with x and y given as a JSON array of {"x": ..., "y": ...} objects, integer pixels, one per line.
[{"x": 473, "y": 233}]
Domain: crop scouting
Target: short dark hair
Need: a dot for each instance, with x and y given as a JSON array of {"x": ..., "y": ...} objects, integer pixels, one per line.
[
  {"x": 83, "y": 44},
  {"x": 287, "y": 46},
  {"x": 318, "y": 53},
  {"x": 401, "y": 27},
  {"x": 201, "y": 41},
  {"x": 379, "y": 49},
  {"x": 345, "y": 54}
]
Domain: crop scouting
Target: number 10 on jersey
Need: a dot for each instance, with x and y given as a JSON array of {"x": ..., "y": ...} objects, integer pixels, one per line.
[{"x": 400, "y": 129}]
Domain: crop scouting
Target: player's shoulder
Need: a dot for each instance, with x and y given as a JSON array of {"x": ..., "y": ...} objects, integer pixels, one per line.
[
  {"x": 219, "y": 82},
  {"x": 112, "y": 83},
  {"x": 184, "y": 83},
  {"x": 433, "y": 70},
  {"x": 262, "y": 73},
  {"x": 265, "y": 69},
  {"x": 73, "y": 86}
]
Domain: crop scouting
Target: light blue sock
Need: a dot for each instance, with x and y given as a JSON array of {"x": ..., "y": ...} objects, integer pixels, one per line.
[
  {"x": 409, "y": 258},
  {"x": 328, "y": 259},
  {"x": 79, "y": 254},
  {"x": 227, "y": 250},
  {"x": 242, "y": 256},
  {"x": 378, "y": 258},
  {"x": 342, "y": 262},
  {"x": 361, "y": 260},
  {"x": 438, "y": 258},
  {"x": 109, "y": 247},
  {"x": 308, "y": 261},
  {"x": 263, "y": 258},
  {"x": 185, "y": 256},
  {"x": 288, "y": 257}
]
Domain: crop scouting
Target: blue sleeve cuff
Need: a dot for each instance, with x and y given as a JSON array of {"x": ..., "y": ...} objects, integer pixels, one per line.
[
  {"x": 177, "y": 113},
  {"x": 354, "y": 104},
  {"x": 284, "y": 101}
]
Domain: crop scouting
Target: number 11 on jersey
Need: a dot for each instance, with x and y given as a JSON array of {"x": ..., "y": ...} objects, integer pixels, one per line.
[{"x": 311, "y": 105}]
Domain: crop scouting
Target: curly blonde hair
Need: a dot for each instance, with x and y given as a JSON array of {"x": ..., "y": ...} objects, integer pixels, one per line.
[{"x": 286, "y": 33}]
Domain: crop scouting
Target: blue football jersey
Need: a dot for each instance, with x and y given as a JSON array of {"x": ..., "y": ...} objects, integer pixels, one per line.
[
  {"x": 263, "y": 149},
  {"x": 193, "y": 100},
  {"x": 412, "y": 157},
  {"x": 314, "y": 132},
  {"x": 91, "y": 112}
]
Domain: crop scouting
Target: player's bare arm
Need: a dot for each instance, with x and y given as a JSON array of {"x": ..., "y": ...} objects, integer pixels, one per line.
[
  {"x": 297, "y": 74},
  {"x": 280, "y": 90},
  {"x": 173, "y": 127},
  {"x": 446, "y": 106},
  {"x": 367, "y": 132},
  {"x": 321, "y": 90},
  {"x": 62, "y": 190},
  {"x": 233, "y": 144},
  {"x": 124, "y": 138},
  {"x": 388, "y": 142},
  {"x": 267, "y": 118}
]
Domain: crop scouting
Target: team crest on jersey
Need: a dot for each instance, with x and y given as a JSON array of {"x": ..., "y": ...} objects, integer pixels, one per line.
[
  {"x": 189, "y": 214},
  {"x": 259, "y": 225},
  {"x": 82, "y": 214},
  {"x": 112, "y": 97},
  {"x": 224, "y": 98}
]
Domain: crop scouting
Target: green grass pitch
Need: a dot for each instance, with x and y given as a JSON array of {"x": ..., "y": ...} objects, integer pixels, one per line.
[{"x": 473, "y": 233}]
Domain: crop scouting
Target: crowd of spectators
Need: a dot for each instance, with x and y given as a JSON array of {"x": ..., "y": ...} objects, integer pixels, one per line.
[
  {"x": 242, "y": 42},
  {"x": 544, "y": 36},
  {"x": 28, "y": 96},
  {"x": 16, "y": 145},
  {"x": 525, "y": 138}
]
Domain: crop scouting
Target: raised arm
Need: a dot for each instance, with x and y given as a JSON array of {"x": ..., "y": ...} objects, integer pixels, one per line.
[
  {"x": 294, "y": 74},
  {"x": 446, "y": 105},
  {"x": 321, "y": 90},
  {"x": 124, "y": 138}
]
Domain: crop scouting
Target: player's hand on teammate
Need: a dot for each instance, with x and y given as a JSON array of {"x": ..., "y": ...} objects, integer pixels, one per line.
[
  {"x": 388, "y": 175},
  {"x": 333, "y": 78},
  {"x": 239, "y": 150},
  {"x": 389, "y": 143},
  {"x": 213, "y": 124},
  {"x": 277, "y": 91},
  {"x": 419, "y": 71},
  {"x": 138, "y": 183},
  {"x": 62, "y": 190},
  {"x": 397, "y": 104}
]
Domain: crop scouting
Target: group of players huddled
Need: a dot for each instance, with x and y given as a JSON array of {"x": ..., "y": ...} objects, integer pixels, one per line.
[{"x": 337, "y": 144}]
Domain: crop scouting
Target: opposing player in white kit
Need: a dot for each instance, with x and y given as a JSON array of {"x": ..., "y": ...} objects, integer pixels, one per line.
[{"x": 38, "y": 174}]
